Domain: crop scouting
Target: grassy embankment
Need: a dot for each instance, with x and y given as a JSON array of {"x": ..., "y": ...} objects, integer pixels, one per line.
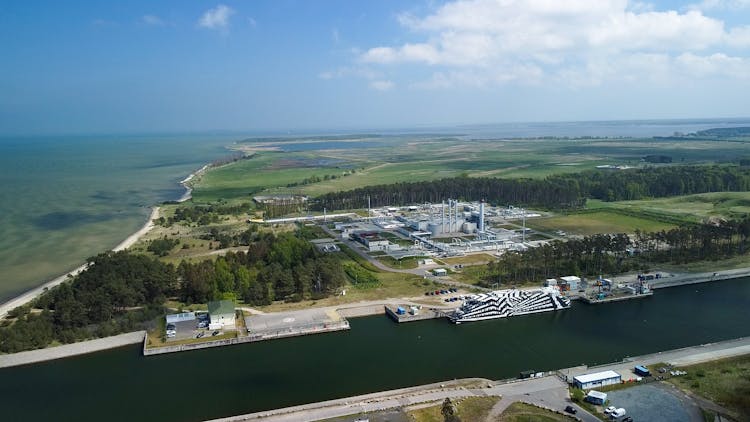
[
  {"x": 523, "y": 412},
  {"x": 725, "y": 382},
  {"x": 468, "y": 409}
]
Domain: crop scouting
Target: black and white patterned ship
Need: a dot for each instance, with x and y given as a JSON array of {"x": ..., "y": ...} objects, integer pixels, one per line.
[{"x": 505, "y": 303}]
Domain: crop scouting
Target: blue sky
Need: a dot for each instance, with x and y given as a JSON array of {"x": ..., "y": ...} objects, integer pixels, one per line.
[{"x": 143, "y": 66}]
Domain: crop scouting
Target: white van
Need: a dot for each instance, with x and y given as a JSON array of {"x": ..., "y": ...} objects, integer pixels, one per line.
[{"x": 617, "y": 413}]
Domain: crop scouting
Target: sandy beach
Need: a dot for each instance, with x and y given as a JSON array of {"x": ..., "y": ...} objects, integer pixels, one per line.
[
  {"x": 186, "y": 184},
  {"x": 33, "y": 293}
]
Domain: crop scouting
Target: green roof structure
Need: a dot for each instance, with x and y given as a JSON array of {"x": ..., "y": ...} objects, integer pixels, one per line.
[{"x": 221, "y": 307}]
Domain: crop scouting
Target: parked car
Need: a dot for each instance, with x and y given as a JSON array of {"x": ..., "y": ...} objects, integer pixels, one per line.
[
  {"x": 571, "y": 410},
  {"x": 628, "y": 419},
  {"x": 609, "y": 410},
  {"x": 215, "y": 333}
]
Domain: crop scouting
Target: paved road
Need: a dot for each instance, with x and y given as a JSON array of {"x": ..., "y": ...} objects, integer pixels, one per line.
[{"x": 549, "y": 392}]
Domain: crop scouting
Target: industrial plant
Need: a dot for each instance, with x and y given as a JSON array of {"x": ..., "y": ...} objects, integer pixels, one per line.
[{"x": 449, "y": 228}]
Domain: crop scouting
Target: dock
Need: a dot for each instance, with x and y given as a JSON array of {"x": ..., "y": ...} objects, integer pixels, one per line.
[
  {"x": 409, "y": 315},
  {"x": 608, "y": 299}
]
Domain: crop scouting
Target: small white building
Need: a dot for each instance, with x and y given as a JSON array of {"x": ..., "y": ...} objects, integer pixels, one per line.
[
  {"x": 596, "y": 397},
  {"x": 572, "y": 281},
  {"x": 598, "y": 379},
  {"x": 222, "y": 314},
  {"x": 439, "y": 272},
  {"x": 185, "y": 316}
]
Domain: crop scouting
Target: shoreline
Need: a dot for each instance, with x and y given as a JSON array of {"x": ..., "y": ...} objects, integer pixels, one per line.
[
  {"x": 186, "y": 183},
  {"x": 32, "y": 294},
  {"x": 129, "y": 241}
]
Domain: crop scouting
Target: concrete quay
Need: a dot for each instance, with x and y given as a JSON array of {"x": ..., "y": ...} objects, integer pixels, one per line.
[
  {"x": 422, "y": 315},
  {"x": 693, "y": 278},
  {"x": 677, "y": 357},
  {"x": 73, "y": 349}
]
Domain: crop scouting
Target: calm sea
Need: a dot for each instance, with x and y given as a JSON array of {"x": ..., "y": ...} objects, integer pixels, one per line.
[{"x": 63, "y": 199}]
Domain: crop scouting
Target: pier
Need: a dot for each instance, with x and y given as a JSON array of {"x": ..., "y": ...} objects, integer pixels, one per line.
[{"x": 408, "y": 316}]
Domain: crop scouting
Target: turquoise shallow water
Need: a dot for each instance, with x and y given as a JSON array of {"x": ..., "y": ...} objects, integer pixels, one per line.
[{"x": 63, "y": 199}]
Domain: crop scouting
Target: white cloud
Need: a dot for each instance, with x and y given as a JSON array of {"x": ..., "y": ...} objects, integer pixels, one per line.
[
  {"x": 733, "y": 5},
  {"x": 578, "y": 42},
  {"x": 216, "y": 18},
  {"x": 381, "y": 85},
  {"x": 152, "y": 20}
]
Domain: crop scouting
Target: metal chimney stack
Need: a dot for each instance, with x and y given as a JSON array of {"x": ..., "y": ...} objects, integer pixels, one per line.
[{"x": 481, "y": 217}]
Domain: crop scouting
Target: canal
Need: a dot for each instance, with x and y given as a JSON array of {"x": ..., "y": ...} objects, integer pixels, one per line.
[{"x": 376, "y": 354}]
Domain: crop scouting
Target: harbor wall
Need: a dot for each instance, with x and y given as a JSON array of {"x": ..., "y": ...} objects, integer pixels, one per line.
[{"x": 73, "y": 349}]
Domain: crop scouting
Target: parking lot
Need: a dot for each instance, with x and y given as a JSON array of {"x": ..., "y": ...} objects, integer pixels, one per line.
[
  {"x": 188, "y": 329},
  {"x": 655, "y": 401}
]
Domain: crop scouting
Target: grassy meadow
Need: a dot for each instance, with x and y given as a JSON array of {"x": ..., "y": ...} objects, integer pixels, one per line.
[
  {"x": 725, "y": 382},
  {"x": 428, "y": 157},
  {"x": 603, "y": 221},
  {"x": 690, "y": 207}
]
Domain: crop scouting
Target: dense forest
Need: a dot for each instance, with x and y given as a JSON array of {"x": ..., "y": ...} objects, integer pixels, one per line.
[
  {"x": 553, "y": 192},
  {"x": 121, "y": 291},
  {"x": 614, "y": 254},
  {"x": 274, "y": 268},
  {"x": 116, "y": 293}
]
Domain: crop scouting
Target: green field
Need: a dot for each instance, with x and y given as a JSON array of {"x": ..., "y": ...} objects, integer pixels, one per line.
[
  {"x": 242, "y": 179},
  {"x": 522, "y": 412},
  {"x": 468, "y": 409},
  {"x": 597, "y": 222},
  {"x": 725, "y": 382},
  {"x": 402, "y": 158},
  {"x": 692, "y": 207}
]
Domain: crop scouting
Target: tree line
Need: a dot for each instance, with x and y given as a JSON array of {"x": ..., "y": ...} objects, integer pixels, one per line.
[
  {"x": 283, "y": 267},
  {"x": 116, "y": 293},
  {"x": 122, "y": 291},
  {"x": 619, "y": 253},
  {"x": 566, "y": 191}
]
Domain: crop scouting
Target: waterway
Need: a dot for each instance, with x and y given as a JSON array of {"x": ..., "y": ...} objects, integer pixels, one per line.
[{"x": 376, "y": 354}]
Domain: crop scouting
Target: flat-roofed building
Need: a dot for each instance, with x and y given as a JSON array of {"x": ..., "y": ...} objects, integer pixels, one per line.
[
  {"x": 596, "y": 397},
  {"x": 598, "y": 379}
]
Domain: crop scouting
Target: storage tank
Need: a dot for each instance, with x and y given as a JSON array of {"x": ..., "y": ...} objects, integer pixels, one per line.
[{"x": 435, "y": 228}]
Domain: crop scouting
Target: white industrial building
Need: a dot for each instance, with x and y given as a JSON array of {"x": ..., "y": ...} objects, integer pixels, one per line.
[{"x": 598, "y": 379}]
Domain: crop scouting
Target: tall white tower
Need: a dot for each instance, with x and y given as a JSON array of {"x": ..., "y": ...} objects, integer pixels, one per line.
[{"x": 481, "y": 216}]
